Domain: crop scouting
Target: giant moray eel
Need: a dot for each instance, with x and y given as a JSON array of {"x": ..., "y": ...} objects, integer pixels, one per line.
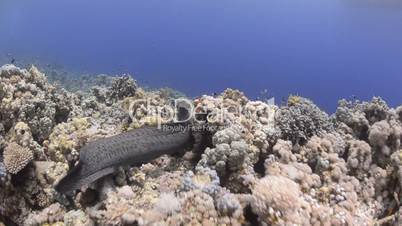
[
  {"x": 101, "y": 157},
  {"x": 3, "y": 172}
]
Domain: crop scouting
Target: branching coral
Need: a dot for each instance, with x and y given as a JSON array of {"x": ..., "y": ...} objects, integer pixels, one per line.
[
  {"x": 199, "y": 208},
  {"x": 399, "y": 113},
  {"x": 77, "y": 217},
  {"x": 396, "y": 159},
  {"x": 228, "y": 205},
  {"x": 379, "y": 133},
  {"x": 359, "y": 116},
  {"x": 230, "y": 152},
  {"x": 301, "y": 119},
  {"x": 232, "y": 157},
  {"x": 359, "y": 158},
  {"x": 120, "y": 88},
  {"x": 375, "y": 110},
  {"x": 27, "y": 97},
  {"x": 205, "y": 180},
  {"x": 52, "y": 214}
]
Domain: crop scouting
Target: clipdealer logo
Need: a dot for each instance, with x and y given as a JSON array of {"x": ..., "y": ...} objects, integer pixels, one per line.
[{"x": 183, "y": 110}]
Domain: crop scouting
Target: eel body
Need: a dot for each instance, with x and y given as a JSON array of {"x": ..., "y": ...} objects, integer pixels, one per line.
[
  {"x": 3, "y": 171},
  {"x": 101, "y": 157}
]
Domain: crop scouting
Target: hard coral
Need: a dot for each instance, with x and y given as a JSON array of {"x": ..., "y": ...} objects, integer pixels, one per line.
[
  {"x": 301, "y": 120},
  {"x": 77, "y": 218},
  {"x": 359, "y": 116},
  {"x": 122, "y": 87},
  {"x": 276, "y": 200},
  {"x": 375, "y": 110},
  {"x": 205, "y": 180},
  {"x": 16, "y": 158},
  {"x": 27, "y": 97},
  {"x": 22, "y": 135},
  {"x": 319, "y": 170},
  {"x": 66, "y": 138},
  {"x": 227, "y": 204},
  {"x": 379, "y": 133},
  {"x": 198, "y": 208},
  {"x": 168, "y": 204},
  {"x": 52, "y": 214},
  {"x": 230, "y": 151},
  {"x": 359, "y": 159},
  {"x": 399, "y": 113}
]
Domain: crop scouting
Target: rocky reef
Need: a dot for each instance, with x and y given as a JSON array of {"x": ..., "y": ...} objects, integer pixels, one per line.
[{"x": 263, "y": 165}]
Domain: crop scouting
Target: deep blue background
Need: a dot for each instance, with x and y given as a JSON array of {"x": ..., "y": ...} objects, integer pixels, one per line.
[{"x": 322, "y": 49}]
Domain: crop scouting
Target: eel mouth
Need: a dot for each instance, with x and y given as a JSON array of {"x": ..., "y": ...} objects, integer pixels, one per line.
[{"x": 77, "y": 178}]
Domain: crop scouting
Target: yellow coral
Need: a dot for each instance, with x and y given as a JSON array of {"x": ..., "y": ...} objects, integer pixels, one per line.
[
  {"x": 201, "y": 179},
  {"x": 54, "y": 224},
  {"x": 80, "y": 123},
  {"x": 293, "y": 100},
  {"x": 14, "y": 79},
  {"x": 65, "y": 143},
  {"x": 152, "y": 120},
  {"x": 66, "y": 137},
  {"x": 324, "y": 193}
]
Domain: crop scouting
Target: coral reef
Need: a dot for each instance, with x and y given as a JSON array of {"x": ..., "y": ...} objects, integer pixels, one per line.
[{"x": 262, "y": 165}]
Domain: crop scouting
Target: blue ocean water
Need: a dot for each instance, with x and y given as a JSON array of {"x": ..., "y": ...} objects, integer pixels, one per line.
[{"x": 324, "y": 50}]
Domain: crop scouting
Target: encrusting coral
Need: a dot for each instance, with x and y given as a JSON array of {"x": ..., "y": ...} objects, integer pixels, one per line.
[{"x": 262, "y": 165}]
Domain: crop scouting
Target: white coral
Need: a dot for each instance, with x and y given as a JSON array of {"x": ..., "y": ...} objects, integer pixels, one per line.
[
  {"x": 359, "y": 158},
  {"x": 168, "y": 204},
  {"x": 379, "y": 133},
  {"x": 277, "y": 198}
]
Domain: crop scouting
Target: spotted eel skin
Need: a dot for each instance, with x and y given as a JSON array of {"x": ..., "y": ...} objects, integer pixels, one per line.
[
  {"x": 3, "y": 172},
  {"x": 101, "y": 157}
]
